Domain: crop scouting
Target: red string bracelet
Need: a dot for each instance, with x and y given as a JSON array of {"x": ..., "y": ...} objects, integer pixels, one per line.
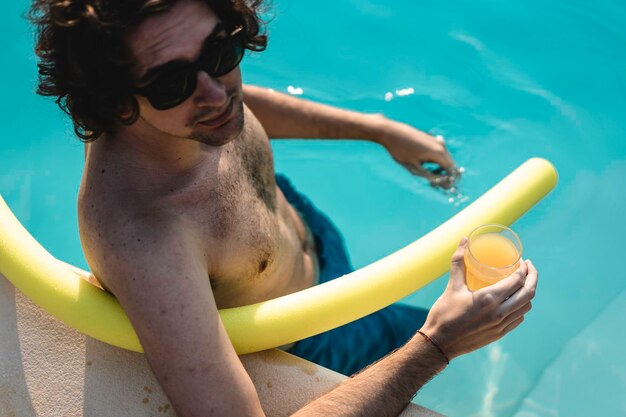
[{"x": 435, "y": 345}]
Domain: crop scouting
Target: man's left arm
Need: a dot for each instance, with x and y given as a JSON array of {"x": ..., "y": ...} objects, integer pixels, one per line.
[{"x": 284, "y": 116}]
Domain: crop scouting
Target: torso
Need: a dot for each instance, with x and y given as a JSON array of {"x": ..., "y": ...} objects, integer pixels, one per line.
[{"x": 256, "y": 245}]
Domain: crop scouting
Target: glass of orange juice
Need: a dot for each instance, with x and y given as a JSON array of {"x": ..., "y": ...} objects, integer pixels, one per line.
[{"x": 493, "y": 252}]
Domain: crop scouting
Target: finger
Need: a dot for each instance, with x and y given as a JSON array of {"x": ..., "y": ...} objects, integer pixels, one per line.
[
  {"x": 505, "y": 317},
  {"x": 457, "y": 265},
  {"x": 533, "y": 277},
  {"x": 439, "y": 153},
  {"x": 512, "y": 326},
  {"x": 506, "y": 287},
  {"x": 443, "y": 159},
  {"x": 526, "y": 293},
  {"x": 448, "y": 162},
  {"x": 417, "y": 170}
]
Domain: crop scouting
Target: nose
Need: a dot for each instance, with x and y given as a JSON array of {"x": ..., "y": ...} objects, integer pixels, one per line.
[{"x": 210, "y": 92}]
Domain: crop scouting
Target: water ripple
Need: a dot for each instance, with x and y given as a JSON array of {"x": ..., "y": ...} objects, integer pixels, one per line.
[{"x": 504, "y": 70}]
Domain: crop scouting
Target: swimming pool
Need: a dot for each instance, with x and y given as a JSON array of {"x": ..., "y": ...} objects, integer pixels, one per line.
[{"x": 502, "y": 82}]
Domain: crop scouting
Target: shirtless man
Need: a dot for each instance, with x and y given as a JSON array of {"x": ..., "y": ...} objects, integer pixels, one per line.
[{"x": 179, "y": 209}]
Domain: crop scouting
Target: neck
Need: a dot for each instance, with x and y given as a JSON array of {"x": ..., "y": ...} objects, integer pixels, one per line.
[
  {"x": 141, "y": 145},
  {"x": 143, "y": 161}
]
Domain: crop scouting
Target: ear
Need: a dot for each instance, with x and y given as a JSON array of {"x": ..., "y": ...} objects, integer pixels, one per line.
[{"x": 128, "y": 112}]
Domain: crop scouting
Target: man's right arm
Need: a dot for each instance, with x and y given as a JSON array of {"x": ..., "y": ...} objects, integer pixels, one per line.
[{"x": 160, "y": 278}]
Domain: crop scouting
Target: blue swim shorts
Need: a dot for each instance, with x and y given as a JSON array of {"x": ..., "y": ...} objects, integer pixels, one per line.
[{"x": 352, "y": 347}]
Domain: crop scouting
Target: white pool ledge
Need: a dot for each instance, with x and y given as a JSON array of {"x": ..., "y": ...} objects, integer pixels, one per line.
[{"x": 49, "y": 370}]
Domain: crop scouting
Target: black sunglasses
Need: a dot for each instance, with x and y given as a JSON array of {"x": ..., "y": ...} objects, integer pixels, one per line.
[{"x": 177, "y": 82}]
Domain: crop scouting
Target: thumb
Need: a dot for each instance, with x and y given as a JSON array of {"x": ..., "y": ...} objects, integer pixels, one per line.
[{"x": 457, "y": 267}]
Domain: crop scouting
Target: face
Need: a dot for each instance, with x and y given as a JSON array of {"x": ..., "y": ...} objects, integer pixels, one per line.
[{"x": 213, "y": 114}]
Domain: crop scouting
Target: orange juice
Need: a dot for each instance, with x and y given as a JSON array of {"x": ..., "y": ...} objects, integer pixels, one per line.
[{"x": 489, "y": 258}]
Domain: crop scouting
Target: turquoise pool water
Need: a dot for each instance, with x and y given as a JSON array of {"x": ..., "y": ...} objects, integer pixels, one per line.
[{"x": 503, "y": 81}]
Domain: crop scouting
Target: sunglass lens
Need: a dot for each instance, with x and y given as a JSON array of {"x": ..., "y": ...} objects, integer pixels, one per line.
[
  {"x": 228, "y": 57},
  {"x": 170, "y": 90}
]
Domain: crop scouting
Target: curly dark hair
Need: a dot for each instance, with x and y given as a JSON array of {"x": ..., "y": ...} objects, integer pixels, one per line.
[{"x": 86, "y": 64}]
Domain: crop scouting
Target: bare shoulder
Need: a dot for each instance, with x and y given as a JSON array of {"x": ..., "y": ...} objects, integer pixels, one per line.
[{"x": 120, "y": 237}]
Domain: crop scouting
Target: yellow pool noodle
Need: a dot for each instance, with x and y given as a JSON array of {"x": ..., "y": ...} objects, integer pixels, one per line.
[{"x": 64, "y": 292}]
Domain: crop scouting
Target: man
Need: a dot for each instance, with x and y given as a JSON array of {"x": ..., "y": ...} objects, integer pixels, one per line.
[{"x": 181, "y": 214}]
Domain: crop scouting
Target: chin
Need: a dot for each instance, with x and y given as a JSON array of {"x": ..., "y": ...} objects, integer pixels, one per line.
[{"x": 223, "y": 134}]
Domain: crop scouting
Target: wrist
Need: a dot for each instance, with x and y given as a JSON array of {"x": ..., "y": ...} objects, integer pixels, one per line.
[
  {"x": 434, "y": 344},
  {"x": 377, "y": 128},
  {"x": 440, "y": 339}
]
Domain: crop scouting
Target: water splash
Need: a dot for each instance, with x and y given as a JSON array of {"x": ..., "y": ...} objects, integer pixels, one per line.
[
  {"x": 400, "y": 92},
  {"x": 295, "y": 91}
]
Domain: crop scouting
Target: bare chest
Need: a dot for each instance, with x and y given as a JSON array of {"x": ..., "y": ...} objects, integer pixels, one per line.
[{"x": 256, "y": 243}]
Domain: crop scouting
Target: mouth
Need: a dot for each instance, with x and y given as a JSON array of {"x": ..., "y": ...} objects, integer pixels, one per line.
[{"x": 220, "y": 118}]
